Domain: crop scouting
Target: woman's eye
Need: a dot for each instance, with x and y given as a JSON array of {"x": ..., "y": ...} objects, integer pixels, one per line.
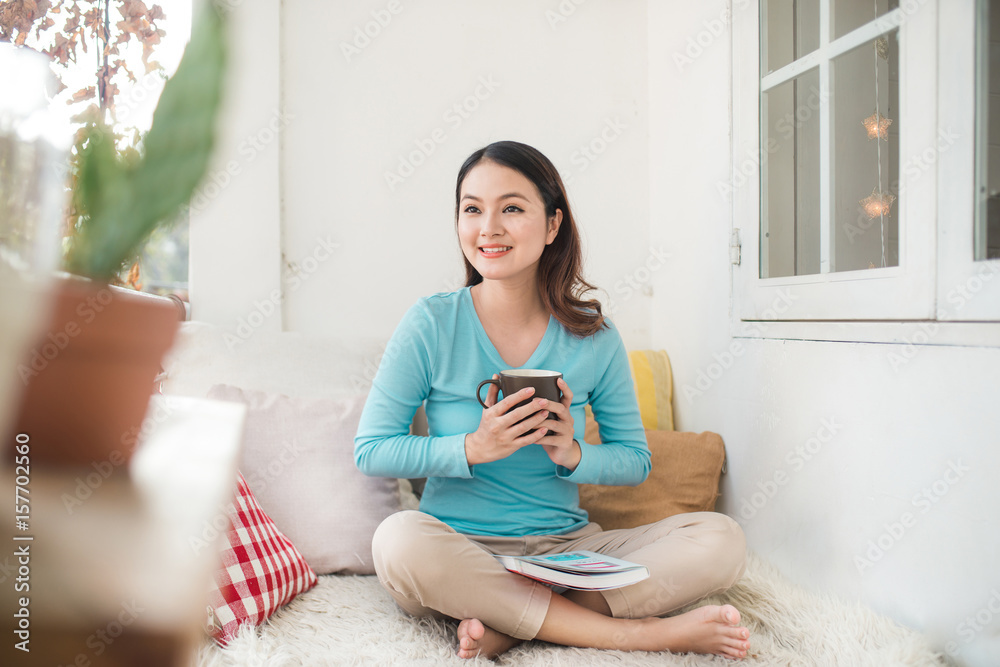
[
  {"x": 513, "y": 209},
  {"x": 471, "y": 209}
]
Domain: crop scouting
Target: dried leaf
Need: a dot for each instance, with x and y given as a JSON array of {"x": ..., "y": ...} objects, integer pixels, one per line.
[
  {"x": 44, "y": 25},
  {"x": 123, "y": 65},
  {"x": 93, "y": 21},
  {"x": 133, "y": 8},
  {"x": 132, "y": 279},
  {"x": 87, "y": 93}
]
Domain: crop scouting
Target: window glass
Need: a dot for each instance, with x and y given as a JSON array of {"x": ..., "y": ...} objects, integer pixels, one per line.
[
  {"x": 987, "y": 233},
  {"x": 851, "y": 14},
  {"x": 865, "y": 156},
  {"x": 790, "y": 195},
  {"x": 790, "y": 30}
]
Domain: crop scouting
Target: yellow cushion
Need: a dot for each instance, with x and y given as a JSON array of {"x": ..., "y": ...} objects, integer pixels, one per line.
[
  {"x": 686, "y": 466},
  {"x": 654, "y": 388},
  {"x": 684, "y": 478}
]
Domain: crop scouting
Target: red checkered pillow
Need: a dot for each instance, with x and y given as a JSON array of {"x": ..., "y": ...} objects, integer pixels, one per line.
[{"x": 261, "y": 569}]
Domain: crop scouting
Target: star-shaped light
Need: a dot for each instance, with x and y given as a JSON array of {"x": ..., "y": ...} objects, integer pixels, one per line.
[
  {"x": 877, "y": 204},
  {"x": 877, "y": 126},
  {"x": 882, "y": 48}
]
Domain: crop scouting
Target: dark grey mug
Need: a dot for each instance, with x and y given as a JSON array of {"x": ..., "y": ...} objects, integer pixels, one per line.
[{"x": 513, "y": 381}]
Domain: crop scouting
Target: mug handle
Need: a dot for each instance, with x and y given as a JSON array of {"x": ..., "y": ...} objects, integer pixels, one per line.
[{"x": 479, "y": 389}]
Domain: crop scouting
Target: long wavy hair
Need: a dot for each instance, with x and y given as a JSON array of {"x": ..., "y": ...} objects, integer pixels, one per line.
[{"x": 560, "y": 277}]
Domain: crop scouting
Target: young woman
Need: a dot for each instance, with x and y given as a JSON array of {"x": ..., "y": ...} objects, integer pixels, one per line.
[{"x": 503, "y": 480}]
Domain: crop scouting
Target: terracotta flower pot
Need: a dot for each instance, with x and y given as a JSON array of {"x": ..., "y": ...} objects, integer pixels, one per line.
[{"x": 89, "y": 377}]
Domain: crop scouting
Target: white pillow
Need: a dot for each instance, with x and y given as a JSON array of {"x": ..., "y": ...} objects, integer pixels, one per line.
[{"x": 298, "y": 459}]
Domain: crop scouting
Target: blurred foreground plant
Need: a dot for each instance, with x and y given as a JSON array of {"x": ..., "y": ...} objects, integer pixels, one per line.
[{"x": 122, "y": 198}]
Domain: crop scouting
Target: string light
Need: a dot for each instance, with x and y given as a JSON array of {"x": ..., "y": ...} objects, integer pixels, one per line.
[
  {"x": 882, "y": 48},
  {"x": 877, "y": 126},
  {"x": 877, "y": 204}
]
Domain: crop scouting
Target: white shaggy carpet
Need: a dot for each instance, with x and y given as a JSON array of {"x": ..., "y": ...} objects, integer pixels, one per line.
[{"x": 349, "y": 620}]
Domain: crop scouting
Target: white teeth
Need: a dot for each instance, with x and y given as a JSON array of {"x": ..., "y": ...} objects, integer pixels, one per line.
[{"x": 493, "y": 250}]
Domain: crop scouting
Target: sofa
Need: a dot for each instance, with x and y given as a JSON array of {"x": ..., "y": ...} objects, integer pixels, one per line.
[{"x": 304, "y": 396}]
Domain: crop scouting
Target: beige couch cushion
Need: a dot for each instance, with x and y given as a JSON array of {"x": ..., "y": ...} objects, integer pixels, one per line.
[{"x": 298, "y": 459}]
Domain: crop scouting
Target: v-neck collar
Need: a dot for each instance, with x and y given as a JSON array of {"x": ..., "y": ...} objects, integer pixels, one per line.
[{"x": 484, "y": 340}]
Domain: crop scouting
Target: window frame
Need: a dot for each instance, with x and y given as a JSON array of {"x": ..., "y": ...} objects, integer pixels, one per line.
[
  {"x": 896, "y": 304},
  {"x": 966, "y": 290}
]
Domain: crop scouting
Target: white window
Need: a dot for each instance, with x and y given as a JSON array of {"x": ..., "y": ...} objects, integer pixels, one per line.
[{"x": 862, "y": 186}]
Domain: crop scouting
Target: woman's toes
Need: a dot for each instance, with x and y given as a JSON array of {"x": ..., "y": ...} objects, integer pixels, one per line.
[
  {"x": 470, "y": 632},
  {"x": 730, "y": 615}
]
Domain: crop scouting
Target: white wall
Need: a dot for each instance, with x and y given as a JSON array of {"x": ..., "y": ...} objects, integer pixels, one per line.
[
  {"x": 830, "y": 445},
  {"x": 651, "y": 194},
  {"x": 367, "y": 86}
]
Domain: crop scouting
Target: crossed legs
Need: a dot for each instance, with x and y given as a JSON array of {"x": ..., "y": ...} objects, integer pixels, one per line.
[{"x": 429, "y": 569}]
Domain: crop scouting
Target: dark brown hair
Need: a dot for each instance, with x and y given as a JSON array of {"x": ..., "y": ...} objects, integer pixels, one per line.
[{"x": 560, "y": 278}]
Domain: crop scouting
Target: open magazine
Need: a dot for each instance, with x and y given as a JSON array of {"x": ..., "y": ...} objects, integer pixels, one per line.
[{"x": 583, "y": 570}]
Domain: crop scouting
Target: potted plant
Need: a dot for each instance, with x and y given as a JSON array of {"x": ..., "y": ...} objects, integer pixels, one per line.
[{"x": 89, "y": 379}]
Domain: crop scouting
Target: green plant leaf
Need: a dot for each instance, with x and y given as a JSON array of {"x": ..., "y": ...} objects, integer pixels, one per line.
[{"x": 123, "y": 203}]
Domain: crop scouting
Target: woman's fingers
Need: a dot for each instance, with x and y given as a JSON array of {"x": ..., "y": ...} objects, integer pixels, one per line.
[
  {"x": 492, "y": 393},
  {"x": 509, "y": 402},
  {"x": 567, "y": 395},
  {"x": 519, "y": 414},
  {"x": 532, "y": 437},
  {"x": 530, "y": 422}
]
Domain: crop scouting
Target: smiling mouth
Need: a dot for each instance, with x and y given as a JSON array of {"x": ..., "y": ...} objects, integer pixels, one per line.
[{"x": 495, "y": 251}]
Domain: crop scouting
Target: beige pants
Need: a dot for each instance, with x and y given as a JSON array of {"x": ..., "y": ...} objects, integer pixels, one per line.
[{"x": 431, "y": 570}]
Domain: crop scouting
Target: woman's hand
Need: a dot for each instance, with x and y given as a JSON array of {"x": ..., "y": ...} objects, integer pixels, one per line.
[
  {"x": 559, "y": 443},
  {"x": 499, "y": 435}
]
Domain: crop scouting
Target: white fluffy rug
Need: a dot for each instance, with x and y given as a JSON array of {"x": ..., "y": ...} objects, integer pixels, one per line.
[{"x": 352, "y": 621}]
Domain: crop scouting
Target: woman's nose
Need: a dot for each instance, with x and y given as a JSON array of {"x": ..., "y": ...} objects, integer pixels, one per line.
[{"x": 491, "y": 224}]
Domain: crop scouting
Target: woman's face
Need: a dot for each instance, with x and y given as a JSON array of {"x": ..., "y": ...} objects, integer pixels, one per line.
[{"x": 502, "y": 224}]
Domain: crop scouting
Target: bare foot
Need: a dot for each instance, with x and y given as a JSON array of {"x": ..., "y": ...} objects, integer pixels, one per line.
[
  {"x": 709, "y": 629},
  {"x": 476, "y": 639}
]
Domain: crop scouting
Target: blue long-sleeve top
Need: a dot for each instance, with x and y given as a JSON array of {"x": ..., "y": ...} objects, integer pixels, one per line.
[{"x": 437, "y": 356}]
